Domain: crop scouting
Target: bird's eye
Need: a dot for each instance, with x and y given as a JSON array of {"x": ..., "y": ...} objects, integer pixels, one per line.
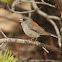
[{"x": 24, "y": 19}]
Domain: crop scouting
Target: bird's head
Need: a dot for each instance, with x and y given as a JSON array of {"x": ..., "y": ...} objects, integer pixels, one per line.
[{"x": 26, "y": 20}]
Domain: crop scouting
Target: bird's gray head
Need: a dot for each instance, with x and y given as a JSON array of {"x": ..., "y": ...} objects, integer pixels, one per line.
[{"x": 26, "y": 20}]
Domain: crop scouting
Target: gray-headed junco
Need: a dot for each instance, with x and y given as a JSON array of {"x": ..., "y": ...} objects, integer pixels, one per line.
[{"x": 32, "y": 29}]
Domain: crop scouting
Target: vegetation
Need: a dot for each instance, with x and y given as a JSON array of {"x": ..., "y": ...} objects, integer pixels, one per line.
[{"x": 7, "y": 57}]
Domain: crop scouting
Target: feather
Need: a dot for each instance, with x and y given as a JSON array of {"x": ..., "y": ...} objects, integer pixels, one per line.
[{"x": 40, "y": 30}]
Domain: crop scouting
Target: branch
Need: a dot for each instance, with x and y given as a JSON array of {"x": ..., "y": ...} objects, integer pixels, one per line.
[
  {"x": 44, "y": 3},
  {"x": 43, "y": 60},
  {"x": 48, "y": 47},
  {"x": 49, "y": 18},
  {"x": 3, "y": 34},
  {"x": 24, "y": 12},
  {"x": 3, "y": 44}
]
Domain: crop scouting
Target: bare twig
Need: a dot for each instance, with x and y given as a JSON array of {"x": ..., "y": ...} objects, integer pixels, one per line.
[
  {"x": 15, "y": 3},
  {"x": 49, "y": 18},
  {"x": 53, "y": 17},
  {"x": 3, "y": 34},
  {"x": 44, "y": 3},
  {"x": 24, "y": 12},
  {"x": 24, "y": 58},
  {"x": 51, "y": 48},
  {"x": 45, "y": 49},
  {"x": 43, "y": 60},
  {"x": 1, "y": 45},
  {"x": 29, "y": 15},
  {"x": 4, "y": 37}
]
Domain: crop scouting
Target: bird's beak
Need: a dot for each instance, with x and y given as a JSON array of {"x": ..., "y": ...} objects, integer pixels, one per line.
[{"x": 21, "y": 20}]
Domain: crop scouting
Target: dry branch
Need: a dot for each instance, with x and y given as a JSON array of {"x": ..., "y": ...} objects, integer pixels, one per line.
[
  {"x": 41, "y": 60},
  {"x": 48, "y": 47},
  {"x": 3, "y": 34},
  {"x": 3, "y": 44}
]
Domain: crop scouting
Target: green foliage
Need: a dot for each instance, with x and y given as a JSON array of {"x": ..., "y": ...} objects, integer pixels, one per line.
[
  {"x": 7, "y": 1},
  {"x": 7, "y": 57}
]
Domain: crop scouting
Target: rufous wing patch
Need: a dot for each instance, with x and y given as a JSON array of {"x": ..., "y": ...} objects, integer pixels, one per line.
[{"x": 34, "y": 23}]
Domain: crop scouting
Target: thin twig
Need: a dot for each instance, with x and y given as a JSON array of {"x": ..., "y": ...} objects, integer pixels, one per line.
[
  {"x": 1, "y": 44},
  {"x": 15, "y": 3},
  {"x": 44, "y": 3},
  {"x": 4, "y": 37},
  {"x": 3, "y": 34},
  {"x": 45, "y": 49},
  {"x": 43, "y": 60},
  {"x": 29, "y": 15}
]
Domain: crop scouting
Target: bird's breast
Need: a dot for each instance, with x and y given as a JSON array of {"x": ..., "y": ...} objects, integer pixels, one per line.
[{"x": 28, "y": 31}]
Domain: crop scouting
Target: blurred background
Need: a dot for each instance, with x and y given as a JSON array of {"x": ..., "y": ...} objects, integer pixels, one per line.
[{"x": 9, "y": 24}]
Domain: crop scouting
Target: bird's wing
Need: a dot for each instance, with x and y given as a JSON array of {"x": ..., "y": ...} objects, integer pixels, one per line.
[{"x": 35, "y": 27}]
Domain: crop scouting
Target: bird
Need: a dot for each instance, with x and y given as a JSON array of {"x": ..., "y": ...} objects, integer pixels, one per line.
[{"x": 32, "y": 29}]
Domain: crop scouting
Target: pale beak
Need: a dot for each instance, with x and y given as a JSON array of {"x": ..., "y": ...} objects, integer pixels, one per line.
[{"x": 21, "y": 20}]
